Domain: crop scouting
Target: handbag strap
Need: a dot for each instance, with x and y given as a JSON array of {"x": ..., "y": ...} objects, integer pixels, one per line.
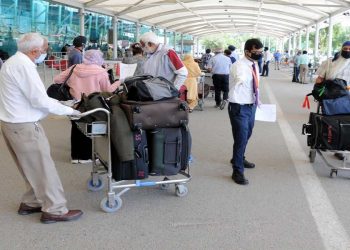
[{"x": 70, "y": 73}]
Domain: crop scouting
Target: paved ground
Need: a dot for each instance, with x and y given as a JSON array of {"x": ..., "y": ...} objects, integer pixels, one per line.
[{"x": 289, "y": 203}]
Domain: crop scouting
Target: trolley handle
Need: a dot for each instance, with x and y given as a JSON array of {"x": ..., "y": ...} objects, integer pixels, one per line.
[{"x": 77, "y": 117}]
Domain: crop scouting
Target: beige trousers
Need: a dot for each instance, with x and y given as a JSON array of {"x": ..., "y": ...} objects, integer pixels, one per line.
[
  {"x": 303, "y": 72},
  {"x": 30, "y": 150}
]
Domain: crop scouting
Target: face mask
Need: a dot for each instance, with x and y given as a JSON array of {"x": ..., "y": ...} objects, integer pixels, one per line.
[
  {"x": 147, "y": 49},
  {"x": 345, "y": 54},
  {"x": 255, "y": 57},
  {"x": 41, "y": 58}
]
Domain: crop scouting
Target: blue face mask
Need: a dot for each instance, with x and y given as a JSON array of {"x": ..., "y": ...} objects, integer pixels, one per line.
[{"x": 41, "y": 58}]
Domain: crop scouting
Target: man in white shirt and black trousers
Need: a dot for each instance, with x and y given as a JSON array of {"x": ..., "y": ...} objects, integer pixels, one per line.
[
  {"x": 243, "y": 100},
  {"x": 23, "y": 103}
]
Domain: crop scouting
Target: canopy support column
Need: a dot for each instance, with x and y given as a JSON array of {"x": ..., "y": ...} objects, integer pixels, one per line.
[
  {"x": 82, "y": 21},
  {"x": 317, "y": 39},
  {"x": 307, "y": 38},
  {"x": 330, "y": 37},
  {"x": 115, "y": 37}
]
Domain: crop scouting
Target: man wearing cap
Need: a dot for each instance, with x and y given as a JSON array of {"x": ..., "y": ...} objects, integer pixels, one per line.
[
  {"x": 338, "y": 68},
  {"x": 162, "y": 60},
  {"x": 219, "y": 66},
  {"x": 75, "y": 55}
]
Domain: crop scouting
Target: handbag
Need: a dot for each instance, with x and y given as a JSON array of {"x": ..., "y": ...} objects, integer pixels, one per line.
[
  {"x": 61, "y": 91},
  {"x": 149, "y": 88},
  {"x": 329, "y": 89}
]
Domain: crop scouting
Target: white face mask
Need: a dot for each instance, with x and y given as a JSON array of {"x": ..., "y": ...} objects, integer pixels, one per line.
[
  {"x": 148, "y": 49},
  {"x": 41, "y": 58}
]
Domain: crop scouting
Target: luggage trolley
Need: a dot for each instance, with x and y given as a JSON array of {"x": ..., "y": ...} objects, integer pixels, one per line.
[
  {"x": 99, "y": 132},
  {"x": 312, "y": 131}
]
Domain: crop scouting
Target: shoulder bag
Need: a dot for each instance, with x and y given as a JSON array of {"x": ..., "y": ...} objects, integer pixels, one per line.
[{"x": 61, "y": 91}]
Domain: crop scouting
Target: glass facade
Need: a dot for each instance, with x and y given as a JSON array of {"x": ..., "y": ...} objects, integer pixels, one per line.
[{"x": 60, "y": 24}]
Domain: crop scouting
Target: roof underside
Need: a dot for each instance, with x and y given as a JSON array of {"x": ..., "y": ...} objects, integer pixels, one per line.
[{"x": 276, "y": 18}]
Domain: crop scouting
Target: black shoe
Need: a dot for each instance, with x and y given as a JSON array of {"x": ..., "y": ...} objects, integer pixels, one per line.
[
  {"x": 223, "y": 104},
  {"x": 239, "y": 178},
  {"x": 339, "y": 156},
  {"x": 248, "y": 164}
]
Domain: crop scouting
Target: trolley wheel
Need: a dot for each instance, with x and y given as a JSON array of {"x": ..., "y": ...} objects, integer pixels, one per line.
[
  {"x": 181, "y": 190},
  {"x": 106, "y": 208},
  {"x": 95, "y": 188},
  {"x": 312, "y": 155},
  {"x": 164, "y": 186},
  {"x": 333, "y": 171},
  {"x": 200, "y": 105}
]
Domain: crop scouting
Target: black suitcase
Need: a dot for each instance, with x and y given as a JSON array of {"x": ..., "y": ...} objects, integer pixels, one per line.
[
  {"x": 328, "y": 132},
  {"x": 137, "y": 168},
  {"x": 186, "y": 140},
  {"x": 165, "y": 147}
]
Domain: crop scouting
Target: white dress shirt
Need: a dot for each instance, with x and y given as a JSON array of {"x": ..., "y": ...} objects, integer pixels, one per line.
[
  {"x": 23, "y": 96},
  {"x": 241, "y": 80},
  {"x": 267, "y": 56}
]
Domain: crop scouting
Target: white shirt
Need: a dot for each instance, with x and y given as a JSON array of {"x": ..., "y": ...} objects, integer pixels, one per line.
[
  {"x": 267, "y": 56},
  {"x": 340, "y": 68},
  {"x": 23, "y": 96},
  {"x": 241, "y": 80}
]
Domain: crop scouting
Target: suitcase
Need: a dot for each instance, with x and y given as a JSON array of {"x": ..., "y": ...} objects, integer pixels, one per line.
[
  {"x": 135, "y": 169},
  {"x": 186, "y": 146},
  {"x": 328, "y": 132},
  {"x": 165, "y": 146},
  {"x": 169, "y": 113}
]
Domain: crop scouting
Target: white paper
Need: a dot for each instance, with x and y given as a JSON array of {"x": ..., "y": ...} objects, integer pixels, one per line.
[
  {"x": 266, "y": 113},
  {"x": 126, "y": 70}
]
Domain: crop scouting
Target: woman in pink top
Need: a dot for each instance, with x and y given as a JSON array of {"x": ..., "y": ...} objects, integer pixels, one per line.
[{"x": 87, "y": 78}]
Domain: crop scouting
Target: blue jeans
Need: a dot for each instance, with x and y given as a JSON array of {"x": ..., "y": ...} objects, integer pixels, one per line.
[{"x": 242, "y": 119}]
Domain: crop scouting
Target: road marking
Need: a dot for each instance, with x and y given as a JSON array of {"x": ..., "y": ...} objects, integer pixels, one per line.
[{"x": 332, "y": 232}]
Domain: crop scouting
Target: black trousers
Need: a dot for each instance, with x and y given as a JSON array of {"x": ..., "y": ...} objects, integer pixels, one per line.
[
  {"x": 221, "y": 84},
  {"x": 80, "y": 144},
  {"x": 266, "y": 69}
]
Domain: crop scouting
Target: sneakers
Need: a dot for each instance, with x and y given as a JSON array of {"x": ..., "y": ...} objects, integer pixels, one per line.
[
  {"x": 216, "y": 106},
  {"x": 223, "y": 104}
]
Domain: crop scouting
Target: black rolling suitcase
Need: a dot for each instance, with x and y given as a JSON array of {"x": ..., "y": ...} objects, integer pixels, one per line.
[
  {"x": 136, "y": 169},
  {"x": 165, "y": 151},
  {"x": 328, "y": 132},
  {"x": 169, "y": 150}
]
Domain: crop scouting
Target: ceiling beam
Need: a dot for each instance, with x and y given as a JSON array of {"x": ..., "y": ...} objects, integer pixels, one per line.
[
  {"x": 183, "y": 18},
  {"x": 206, "y": 8},
  {"x": 233, "y": 20}
]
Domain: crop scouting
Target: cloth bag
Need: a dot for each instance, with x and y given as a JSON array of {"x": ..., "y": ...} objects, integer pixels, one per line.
[
  {"x": 60, "y": 91},
  {"x": 336, "y": 106}
]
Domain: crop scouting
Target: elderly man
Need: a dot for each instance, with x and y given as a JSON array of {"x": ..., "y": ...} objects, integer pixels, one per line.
[
  {"x": 23, "y": 103},
  {"x": 162, "y": 61},
  {"x": 219, "y": 66}
]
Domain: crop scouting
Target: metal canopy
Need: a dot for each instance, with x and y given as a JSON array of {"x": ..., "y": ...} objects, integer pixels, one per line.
[{"x": 277, "y": 18}]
